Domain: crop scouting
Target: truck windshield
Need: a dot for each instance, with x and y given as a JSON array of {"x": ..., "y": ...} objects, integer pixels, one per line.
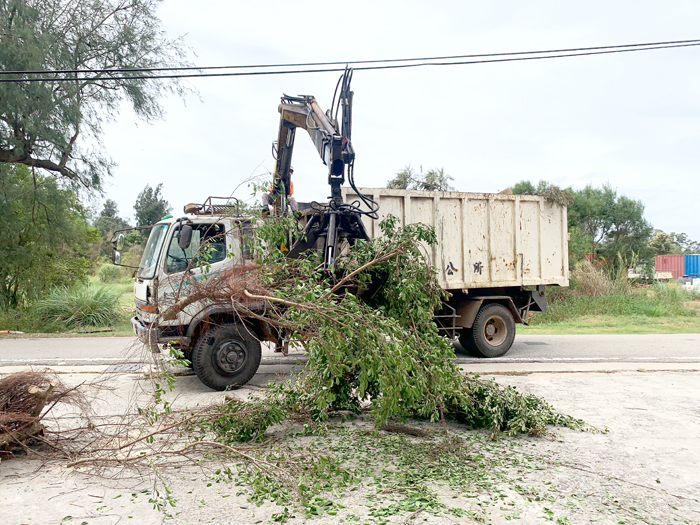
[{"x": 149, "y": 261}]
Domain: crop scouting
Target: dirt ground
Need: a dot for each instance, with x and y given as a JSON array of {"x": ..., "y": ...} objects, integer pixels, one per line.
[{"x": 644, "y": 467}]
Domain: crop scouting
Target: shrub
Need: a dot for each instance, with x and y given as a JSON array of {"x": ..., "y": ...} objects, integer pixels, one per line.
[
  {"x": 80, "y": 307},
  {"x": 108, "y": 273},
  {"x": 591, "y": 281}
]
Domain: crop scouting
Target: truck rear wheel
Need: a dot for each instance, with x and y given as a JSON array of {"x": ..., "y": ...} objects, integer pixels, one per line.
[
  {"x": 226, "y": 357},
  {"x": 493, "y": 331}
]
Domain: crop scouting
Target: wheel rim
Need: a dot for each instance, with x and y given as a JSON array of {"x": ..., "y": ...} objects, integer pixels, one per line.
[
  {"x": 230, "y": 357},
  {"x": 495, "y": 330}
]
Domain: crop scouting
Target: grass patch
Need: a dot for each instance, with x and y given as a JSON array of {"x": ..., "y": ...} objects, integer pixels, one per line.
[
  {"x": 86, "y": 306},
  {"x": 656, "y": 302},
  {"x": 71, "y": 310},
  {"x": 616, "y": 325}
]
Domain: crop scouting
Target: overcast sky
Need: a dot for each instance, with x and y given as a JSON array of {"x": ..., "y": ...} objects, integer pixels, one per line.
[{"x": 631, "y": 119}]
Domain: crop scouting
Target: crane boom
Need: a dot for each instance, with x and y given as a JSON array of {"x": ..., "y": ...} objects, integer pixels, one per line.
[
  {"x": 333, "y": 144},
  {"x": 331, "y": 223}
]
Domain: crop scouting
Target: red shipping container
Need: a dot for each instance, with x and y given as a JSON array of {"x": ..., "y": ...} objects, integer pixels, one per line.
[{"x": 671, "y": 263}]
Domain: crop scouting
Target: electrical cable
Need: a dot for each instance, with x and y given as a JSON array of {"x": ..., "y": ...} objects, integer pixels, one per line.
[
  {"x": 514, "y": 58},
  {"x": 342, "y": 62}
]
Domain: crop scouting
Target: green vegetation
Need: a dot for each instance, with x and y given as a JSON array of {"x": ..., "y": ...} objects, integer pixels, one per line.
[
  {"x": 338, "y": 459},
  {"x": 611, "y": 231},
  {"x": 371, "y": 349},
  {"x": 435, "y": 179},
  {"x": 72, "y": 310},
  {"x": 49, "y": 249},
  {"x": 42, "y": 123},
  {"x": 107, "y": 223},
  {"x": 108, "y": 273},
  {"x": 151, "y": 206},
  {"x": 45, "y": 240},
  {"x": 597, "y": 303},
  {"x": 81, "y": 307}
]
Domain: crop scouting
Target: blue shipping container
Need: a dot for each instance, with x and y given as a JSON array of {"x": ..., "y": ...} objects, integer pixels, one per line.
[{"x": 692, "y": 266}]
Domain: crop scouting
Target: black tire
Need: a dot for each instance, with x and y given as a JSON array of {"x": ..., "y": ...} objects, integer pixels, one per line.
[
  {"x": 465, "y": 340},
  {"x": 226, "y": 357},
  {"x": 493, "y": 331}
]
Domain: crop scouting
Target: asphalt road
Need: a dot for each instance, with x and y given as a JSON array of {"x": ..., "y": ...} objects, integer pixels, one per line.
[{"x": 552, "y": 349}]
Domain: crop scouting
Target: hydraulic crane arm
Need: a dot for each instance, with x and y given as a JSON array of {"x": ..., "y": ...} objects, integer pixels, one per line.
[
  {"x": 333, "y": 144},
  {"x": 332, "y": 223}
]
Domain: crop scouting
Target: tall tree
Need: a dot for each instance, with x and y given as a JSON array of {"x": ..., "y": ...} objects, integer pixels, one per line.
[
  {"x": 615, "y": 223},
  {"x": 109, "y": 209},
  {"x": 151, "y": 206},
  {"x": 46, "y": 239},
  {"x": 525, "y": 187},
  {"x": 404, "y": 179},
  {"x": 41, "y": 122}
]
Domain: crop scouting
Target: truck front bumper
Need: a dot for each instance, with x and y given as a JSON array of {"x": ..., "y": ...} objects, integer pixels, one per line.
[
  {"x": 155, "y": 336},
  {"x": 140, "y": 329}
]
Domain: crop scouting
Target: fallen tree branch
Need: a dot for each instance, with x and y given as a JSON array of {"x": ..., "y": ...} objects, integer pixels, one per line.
[
  {"x": 360, "y": 269},
  {"x": 132, "y": 459},
  {"x": 293, "y": 304}
]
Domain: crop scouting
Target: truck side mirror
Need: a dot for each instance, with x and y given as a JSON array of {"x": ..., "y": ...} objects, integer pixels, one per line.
[
  {"x": 120, "y": 242},
  {"x": 116, "y": 257},
  {"x": 185, "y": 237}
]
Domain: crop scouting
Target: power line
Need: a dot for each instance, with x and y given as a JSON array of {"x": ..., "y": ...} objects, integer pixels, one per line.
[
  {"x": 343, "y": 62},
  {"x": 600, "y": 50}
]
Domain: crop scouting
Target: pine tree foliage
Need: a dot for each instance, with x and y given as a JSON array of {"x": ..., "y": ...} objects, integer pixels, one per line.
[{"x": 49, "y": 124}]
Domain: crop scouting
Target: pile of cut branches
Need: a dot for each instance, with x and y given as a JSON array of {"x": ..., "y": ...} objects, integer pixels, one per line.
[
  {"x": 25, "y": 400},
  {"x": 368, "y": 329}
]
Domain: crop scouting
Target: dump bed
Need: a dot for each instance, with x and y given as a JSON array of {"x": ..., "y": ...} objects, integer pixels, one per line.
[{"x": 485, "y": 240}]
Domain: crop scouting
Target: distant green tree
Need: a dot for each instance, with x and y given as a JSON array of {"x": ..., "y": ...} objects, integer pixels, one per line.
[
  {"x": 525, "y": 187},
  {"x": 42, "y": 123},
  {"x": 433, "y": 180},
  {"x": 403, "y": 179},
  {"x": 615, "y": 223},
  {"x": 551, "y": 192},
  {"x": 45, "y": 240},
  {"x": 662, "y": 244},
  {"x": 684, "y": 244},
  {"x": 109, "y": 209},
  {"x": 579, "y": 245},
  {"x": 151, "y": 206},
  {"x": 107, "y": 223},
  {"x": 601, "y": 222}
]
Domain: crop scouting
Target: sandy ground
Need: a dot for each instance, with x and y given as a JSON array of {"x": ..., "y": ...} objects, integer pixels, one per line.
[{"x": 644, "y": 469}]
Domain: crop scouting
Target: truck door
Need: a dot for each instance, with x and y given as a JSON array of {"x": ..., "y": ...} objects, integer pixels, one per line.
[{"x": 205, "y": 255}]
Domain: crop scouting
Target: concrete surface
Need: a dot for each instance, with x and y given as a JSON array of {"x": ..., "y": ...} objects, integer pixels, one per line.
[{"x": 649, "y": 460}]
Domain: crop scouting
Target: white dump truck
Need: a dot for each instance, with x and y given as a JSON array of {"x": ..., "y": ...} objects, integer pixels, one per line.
[{"x": 496, "y": 254}]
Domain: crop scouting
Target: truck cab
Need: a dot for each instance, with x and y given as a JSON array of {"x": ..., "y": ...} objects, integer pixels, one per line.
[{"x": 179, "y": 252}]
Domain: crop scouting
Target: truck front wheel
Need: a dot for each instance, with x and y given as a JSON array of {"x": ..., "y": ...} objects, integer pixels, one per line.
[
  {"x": 493, "y": 331},
  {"x": 226, "y": 357}
]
